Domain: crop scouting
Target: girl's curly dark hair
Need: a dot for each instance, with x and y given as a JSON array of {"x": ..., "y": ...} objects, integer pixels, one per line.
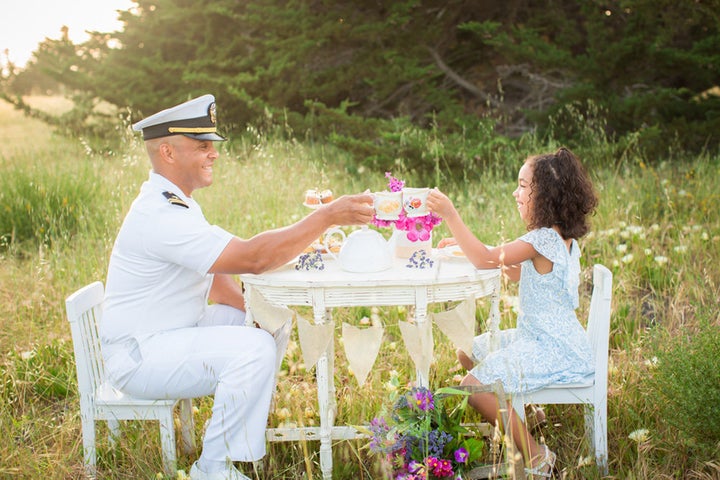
[{"x": 562, "y": 193}]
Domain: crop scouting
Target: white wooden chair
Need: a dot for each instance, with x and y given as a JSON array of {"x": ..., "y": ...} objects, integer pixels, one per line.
[
  {"x": 593, "y": 392},
  {"x": 101, "y": 401}
]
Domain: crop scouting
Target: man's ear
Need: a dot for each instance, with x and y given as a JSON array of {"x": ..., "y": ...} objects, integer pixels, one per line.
[{"x": 166, "y": 152}]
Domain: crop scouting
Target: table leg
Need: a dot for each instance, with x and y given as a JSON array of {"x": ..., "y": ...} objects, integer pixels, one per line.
[
  {"x": 332, "y": 399},
  {"x": 421, "y": 303},
  {"x": 324, "y": 378},
  {"x": 326, "y": 420},
  {"x": 494, "y": 320}
]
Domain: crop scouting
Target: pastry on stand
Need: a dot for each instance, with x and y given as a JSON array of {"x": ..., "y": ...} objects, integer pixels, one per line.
[{"x": 315, "y": 198}]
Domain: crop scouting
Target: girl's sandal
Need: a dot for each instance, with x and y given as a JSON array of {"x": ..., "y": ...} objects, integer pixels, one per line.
[{"x": 544, "y": 469}]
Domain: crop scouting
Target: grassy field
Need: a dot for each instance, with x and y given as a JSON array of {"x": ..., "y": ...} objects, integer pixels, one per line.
[{"x": 657, "y": 229}]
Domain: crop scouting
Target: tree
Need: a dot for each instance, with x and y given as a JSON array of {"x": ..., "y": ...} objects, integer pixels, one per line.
[{"x": 357, "y": 72}]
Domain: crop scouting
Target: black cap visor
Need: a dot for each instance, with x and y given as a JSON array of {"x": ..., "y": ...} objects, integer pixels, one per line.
[{"x": 213, "y": 137}]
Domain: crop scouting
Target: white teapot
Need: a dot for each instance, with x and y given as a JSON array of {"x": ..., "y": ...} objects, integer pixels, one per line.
[{"x": 362, "y": 251}]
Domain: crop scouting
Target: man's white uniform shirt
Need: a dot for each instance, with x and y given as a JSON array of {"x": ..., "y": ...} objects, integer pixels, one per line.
[{"x": 158, "y": 273}]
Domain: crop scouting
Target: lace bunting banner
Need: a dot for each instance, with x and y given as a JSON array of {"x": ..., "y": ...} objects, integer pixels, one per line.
[
  {"x": 270, "y": 317},
  {"x": 361, "y": 348},
  {"x": 419, "y": 344},
  {"x": 274, "y": 319},
  {"x": 282, "y": 338},
  {"x": 458, "y": 324},
  {"x": 314, "y": 340}
]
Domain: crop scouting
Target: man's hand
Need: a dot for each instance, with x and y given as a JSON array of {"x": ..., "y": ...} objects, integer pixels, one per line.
[{"x": 351, "y": 209}]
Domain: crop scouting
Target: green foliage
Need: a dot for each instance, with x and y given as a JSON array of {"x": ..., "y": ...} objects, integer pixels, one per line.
[
  {"x": 434, "y": 154},
  {"x": 40, "y": 208},
  {"x": 45, "y": 372},
  {"x": 687, "y": 385},
  {"x": 362, "y": 73},
  {"x": 647, "y": 64}
]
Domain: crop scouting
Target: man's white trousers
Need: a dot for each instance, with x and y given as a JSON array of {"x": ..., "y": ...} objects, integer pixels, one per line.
[{"x": 220, "y": 356}]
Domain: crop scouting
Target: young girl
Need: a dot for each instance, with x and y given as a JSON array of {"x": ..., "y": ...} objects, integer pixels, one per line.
[{"x": 554, "y": 198}]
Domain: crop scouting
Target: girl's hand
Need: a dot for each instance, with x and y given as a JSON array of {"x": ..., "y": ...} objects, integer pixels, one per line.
[
  {"x": 447, "y": 242},
  {"x": 439, "y": 204}
]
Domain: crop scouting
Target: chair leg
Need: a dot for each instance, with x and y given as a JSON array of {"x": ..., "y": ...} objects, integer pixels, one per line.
[
  {"x": 596, "y": 428},
  {"x": 187, "y": 427},
  {"x": 167, "y": 440},
  {"x": 88, "y": 435},
  {"x": 601, "y": 448},
  {"x": 113, "y": 432}
]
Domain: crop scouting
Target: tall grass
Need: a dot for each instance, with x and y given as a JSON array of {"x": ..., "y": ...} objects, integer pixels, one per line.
[{"x": 657, "y": 228}]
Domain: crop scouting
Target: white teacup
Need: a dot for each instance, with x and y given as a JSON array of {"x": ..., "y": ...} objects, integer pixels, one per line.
[
  {"x": 415, "y": 201},
  {"x": 388, "y": 205}
]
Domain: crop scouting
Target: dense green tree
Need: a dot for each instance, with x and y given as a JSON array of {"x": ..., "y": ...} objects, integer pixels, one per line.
[
  {"x": 361, "y": 73},
  {"x": 648, "y": 64}
]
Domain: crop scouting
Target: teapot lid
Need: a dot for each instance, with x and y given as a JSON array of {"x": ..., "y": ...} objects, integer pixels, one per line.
[
  {"x": 365, "y": 250},
  {"x": 364, "y": 231}
]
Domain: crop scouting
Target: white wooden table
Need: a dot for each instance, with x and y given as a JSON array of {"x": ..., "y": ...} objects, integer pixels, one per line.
[{"x": 450, "y": 279}]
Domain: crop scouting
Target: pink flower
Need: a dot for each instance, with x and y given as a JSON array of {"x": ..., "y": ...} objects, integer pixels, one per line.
[
  {"x": 439, "y": 467},
  {"x": 394, "y": 184},
  {"x": 418, "y": 228}
]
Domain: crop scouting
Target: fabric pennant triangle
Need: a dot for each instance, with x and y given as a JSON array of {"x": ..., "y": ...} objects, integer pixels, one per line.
[
  {"x": 458, "y": 324},
  {"x": 270, "y": 317},
  {"x": 282, "y": 338},
  {"x": 419, "y": 344},
  {"x": 361, "y": 348},
  {"x": 314, "y": 340}
]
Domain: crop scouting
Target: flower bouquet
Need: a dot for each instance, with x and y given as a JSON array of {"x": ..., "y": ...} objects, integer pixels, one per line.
[{"x": 422, "y": 438}]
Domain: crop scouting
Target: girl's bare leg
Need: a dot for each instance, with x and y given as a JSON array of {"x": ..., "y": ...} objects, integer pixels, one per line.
[
  {"x": 487, "y": 405},
  {"x": 464, "y": 359}
]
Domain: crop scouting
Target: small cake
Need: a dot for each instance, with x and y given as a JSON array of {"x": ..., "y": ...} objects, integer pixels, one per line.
[
  {"x": 326, "y": 196},
  {"x": 312, "y": 197},
  {"x": 318, "y": 246}
]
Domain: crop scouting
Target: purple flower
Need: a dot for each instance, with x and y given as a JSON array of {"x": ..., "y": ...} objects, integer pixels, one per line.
[
  {"x": 436, "y": 441},
  {"x": 423, "y": 399},
  {"x": 415, "y": 466},
  {"x": 461, "y": 455}
]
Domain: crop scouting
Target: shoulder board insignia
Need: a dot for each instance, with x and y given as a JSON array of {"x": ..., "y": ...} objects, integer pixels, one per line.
[{"x": 175, "y": 200}]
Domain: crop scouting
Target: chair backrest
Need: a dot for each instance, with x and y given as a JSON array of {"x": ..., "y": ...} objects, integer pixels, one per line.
[
  {"x": 84, "y": 310},
  {"x": 598, "y": 327}
]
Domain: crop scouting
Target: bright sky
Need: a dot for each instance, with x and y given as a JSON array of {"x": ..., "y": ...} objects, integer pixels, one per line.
[{"x": 26, "y": 23}]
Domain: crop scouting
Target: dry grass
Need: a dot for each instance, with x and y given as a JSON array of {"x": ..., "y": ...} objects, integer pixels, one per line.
[{"x": 657, "y": 229}]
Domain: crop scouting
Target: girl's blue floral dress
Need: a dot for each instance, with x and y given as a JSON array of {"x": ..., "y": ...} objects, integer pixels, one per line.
[{"x": 548, "y": 345}]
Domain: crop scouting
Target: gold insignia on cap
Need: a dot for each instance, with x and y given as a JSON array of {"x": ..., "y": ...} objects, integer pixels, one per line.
[
  {"x": 192, "y": 129},
  {"x": 174, "y": 199},
  {"x": 212, "y": 112}
]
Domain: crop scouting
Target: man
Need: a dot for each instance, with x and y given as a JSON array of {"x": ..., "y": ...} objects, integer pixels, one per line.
[{"x": 160, "y": 337}]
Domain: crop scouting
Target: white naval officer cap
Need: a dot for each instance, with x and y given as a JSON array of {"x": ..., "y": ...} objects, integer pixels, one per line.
[{"x": 195, "y": 118}]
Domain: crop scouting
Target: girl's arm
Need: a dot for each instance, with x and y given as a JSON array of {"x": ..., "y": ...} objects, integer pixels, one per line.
[{"x": 507, "y": 256}]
